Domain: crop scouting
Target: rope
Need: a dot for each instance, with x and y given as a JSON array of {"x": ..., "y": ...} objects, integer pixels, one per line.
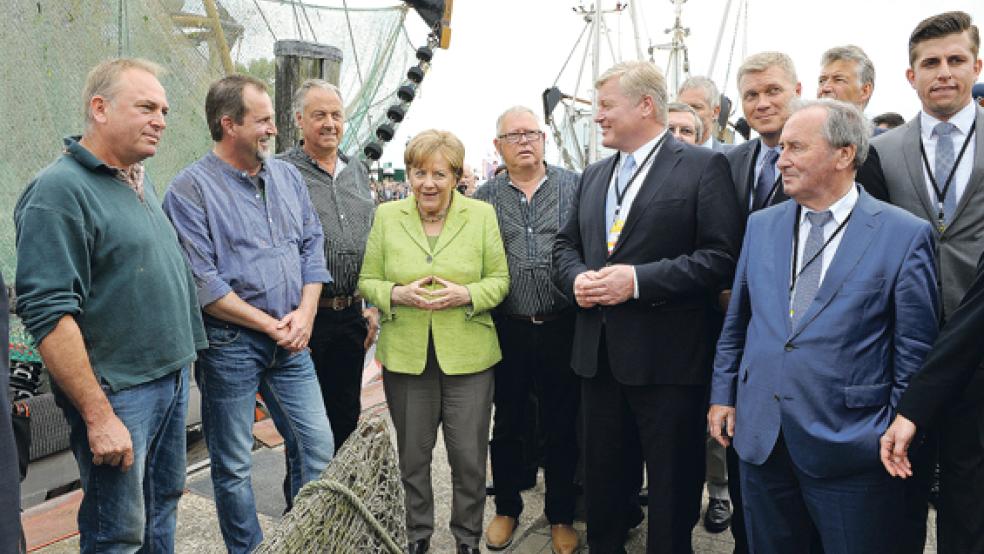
[
  {"x": 326, "y": 485},
  {"x": 355, "y": 51},
  {"x": 265, "y": 20}
]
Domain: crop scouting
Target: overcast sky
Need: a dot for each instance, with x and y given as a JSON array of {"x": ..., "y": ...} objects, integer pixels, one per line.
[{"x": 506, "y": 52}]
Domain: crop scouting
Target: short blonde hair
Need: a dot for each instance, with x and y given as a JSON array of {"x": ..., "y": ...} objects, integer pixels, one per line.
[
  {"x": 638, "y": 79},
  {"x": 105, "y": 79},
  {"x": 757, "y": 63},
  {"x": 434, "y": 142}
]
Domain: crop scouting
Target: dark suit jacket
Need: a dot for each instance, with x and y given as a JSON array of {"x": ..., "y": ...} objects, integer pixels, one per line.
[
  {"x": 830, "y": 383},
  {"x": 682, "y": 236},
  {"x": 10, "y": 529},
  {"x": 742, "y": 158},
  {"x": 954, "y": 369}
]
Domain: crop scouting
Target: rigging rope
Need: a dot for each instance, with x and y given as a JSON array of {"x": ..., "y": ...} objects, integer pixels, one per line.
[{"x": 355, "y": 51}]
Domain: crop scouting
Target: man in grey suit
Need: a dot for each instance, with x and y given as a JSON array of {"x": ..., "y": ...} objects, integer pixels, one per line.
[
  {"x": 701, "y": 94},
  {"x": 933, "y": 166}
]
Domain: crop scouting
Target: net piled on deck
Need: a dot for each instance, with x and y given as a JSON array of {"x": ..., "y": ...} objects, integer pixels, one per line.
[{"x": 356, "y": 505}]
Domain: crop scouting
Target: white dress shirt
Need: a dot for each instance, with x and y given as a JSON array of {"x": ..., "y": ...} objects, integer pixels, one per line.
[
  {"x": 840, "y": 210},
  {"x": 962, "y": 120},
  {"x": 633, "y": 187}
]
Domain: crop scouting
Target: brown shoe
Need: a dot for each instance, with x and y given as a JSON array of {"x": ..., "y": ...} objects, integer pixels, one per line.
[
  {"x": 564, "y": 539},
  {"x": 499, "y": 535}
]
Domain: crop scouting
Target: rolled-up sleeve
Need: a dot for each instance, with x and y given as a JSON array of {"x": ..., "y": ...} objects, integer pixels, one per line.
[
  {"x": 53, "y": 262},
  {"x": 184, "y": 206}
]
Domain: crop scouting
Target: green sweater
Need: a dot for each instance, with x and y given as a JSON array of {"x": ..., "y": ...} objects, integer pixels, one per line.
[{"x": 87, "y": 246}]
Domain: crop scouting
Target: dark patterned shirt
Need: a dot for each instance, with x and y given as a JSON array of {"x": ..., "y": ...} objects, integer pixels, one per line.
[
  {"x": 528, "y": 231},
  {"x": 345, "y": 208}
]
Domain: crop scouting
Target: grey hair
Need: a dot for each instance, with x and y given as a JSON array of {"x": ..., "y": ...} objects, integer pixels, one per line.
[
  {"x": 105, "y": 79},
  {"x": 638, "y": 79},
  {"x": 757, "y": 63},
  {"x": 711, "y": 93},
  {"x": 685, "y": 108},
  {"x": 297, "y": 103},
  {"x": 851, "y": 53},
  {"x": 845, "y": 125},
  {"x": 515, "y": 110}
]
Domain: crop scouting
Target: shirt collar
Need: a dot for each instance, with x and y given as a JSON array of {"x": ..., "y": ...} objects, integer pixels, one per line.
[
  {"x": 839, "y": 209},
  {"x": 643, "y": 151},
  {"x": 962, "y": 120},
  {"x": 213, "y": 158},
  {"x": 84, "y": 157}
]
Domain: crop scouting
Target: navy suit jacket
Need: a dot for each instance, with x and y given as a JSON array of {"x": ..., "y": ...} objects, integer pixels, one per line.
[
  {"x": 832, "y": 383},
  {"x": 682, "y": 236}
]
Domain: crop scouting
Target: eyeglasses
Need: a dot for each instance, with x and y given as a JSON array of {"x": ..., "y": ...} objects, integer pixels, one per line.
[{"x": 513, "y": 138}]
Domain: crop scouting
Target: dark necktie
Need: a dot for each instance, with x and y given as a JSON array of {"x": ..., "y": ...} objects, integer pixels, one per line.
[
  {"x": 808, "y": 282},
  {"x": 766, "y": 180}
]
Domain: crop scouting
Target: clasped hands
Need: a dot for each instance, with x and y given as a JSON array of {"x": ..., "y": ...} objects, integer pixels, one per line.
[
  {"x": 415, "y": 294},
  {"x": 608, "y": 286},
  {"x": 293, "y": 331}
]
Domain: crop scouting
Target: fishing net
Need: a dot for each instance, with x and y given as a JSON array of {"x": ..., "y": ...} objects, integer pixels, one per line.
[
  {"x": 356, "y": 505},
  {"x": 52, "y": 44}
]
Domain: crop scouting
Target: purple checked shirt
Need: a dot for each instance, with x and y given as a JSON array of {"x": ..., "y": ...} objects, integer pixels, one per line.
[{"x": 258, "y": 237}]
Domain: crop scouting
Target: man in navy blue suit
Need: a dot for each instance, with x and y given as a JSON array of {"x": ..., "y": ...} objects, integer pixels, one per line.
[{"x": 834, "y": 307}]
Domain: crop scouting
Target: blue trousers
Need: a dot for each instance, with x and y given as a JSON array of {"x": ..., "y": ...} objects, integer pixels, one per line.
[
  {"x": 854, "y": 514},
  {"x": 239, "y": 363},
  {"x": 135, "y": 511}
]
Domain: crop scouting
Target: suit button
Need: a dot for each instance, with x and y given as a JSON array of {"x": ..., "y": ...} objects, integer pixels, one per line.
[
  {"x": 789, "y": 347},
  {"x": 776, "y": 396}
]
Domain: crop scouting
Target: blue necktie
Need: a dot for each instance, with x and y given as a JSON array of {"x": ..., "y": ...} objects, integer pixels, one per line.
[
  {"x": 944, "y": 166},
  {"x": 808, "y": 282},
  {"x": 766, "y": 180},
  {"x": 624, "y": 174}
]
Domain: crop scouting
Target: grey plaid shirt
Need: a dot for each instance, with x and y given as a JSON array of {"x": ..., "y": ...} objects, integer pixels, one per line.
[
  {"x": 528, "y": 231},
  {"x": 345, "y": 208}
]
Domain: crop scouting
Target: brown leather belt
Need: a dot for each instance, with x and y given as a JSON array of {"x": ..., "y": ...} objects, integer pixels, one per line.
[
  {"x": 339, "y": 303},
  {"x": 536, "y": 319}
]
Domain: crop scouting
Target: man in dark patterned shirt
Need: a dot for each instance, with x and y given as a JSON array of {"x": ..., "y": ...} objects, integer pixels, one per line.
[
  {"x": 343, "y": 328},
  {"x": 536, "y": 327}
]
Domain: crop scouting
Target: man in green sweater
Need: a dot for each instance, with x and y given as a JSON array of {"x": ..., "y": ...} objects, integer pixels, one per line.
[{"x": 105, "y": 291}]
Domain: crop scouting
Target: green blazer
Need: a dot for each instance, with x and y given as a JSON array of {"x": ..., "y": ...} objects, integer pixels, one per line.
[{"x": 469, "y": 252}]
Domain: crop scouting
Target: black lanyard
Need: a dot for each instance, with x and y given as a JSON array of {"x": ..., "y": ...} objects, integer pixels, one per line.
[
  {"x": 796, "y": 232},
  {"x": 941, "y": 195},
  {"x": 620, "y": 194}
]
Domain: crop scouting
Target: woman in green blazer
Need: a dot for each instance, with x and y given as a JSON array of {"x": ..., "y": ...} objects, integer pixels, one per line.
[{"x": 435, "y": 266}]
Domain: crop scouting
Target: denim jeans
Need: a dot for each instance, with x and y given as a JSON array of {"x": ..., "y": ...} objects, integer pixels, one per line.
[
  {"x": 239, "y": 363},
  {"x": 135, "y": 511}
]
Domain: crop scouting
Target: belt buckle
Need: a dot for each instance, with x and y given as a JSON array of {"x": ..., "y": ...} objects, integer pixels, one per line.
[
  {"x": 339, "y": 303},
  {"x": 536, "y": 321}
]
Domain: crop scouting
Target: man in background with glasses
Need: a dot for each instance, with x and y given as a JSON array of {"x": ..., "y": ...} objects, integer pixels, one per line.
[{"x": 536, "y": 326}]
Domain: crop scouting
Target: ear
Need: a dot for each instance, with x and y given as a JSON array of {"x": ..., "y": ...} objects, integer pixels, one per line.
[
  {"x": 910, "y": 75},
  {"x": 298, "y": 117},
  {"x": 228, "y": 125},
  {"x": 799, "y": 89},
  {"x": 716, "y": 112},
  {"x": 867, "y": 90},
  {"x": 648, "y": 105},
  {"x": 845, "y": 156},
  {"x": 98, "y": 106},
  {"x": 497, "y": 145},
  {"x": 977, "y": 67}
]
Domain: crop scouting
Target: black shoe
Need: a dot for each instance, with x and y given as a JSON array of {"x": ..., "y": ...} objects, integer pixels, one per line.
[
  {"x": 465, "y": 549},
  {"x": 419, "y": 546},
  {"x": 717, "y": 518}
]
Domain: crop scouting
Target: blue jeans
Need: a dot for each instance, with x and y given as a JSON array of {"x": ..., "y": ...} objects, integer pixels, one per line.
[
  {"x": 239, "y": 363},
  {"x": 135, "y": 511}
]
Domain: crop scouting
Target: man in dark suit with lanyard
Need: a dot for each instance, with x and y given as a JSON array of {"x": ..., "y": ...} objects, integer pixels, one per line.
[{"x": 653, "y": 233}]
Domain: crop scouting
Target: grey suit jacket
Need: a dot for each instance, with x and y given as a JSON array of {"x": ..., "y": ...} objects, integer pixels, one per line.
[{"x": 960, "y": 245}]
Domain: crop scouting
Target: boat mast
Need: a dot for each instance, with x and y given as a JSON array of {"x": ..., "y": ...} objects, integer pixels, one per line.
[
  {"x": 595, "y": 73},
  {"x": 678, "y": 64}
]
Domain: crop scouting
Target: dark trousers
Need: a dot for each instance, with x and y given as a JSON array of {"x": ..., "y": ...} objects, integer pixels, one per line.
[
  {"x": 915, "y": 503},
  {"x": 737, "y": 504},
  {"x": 666, "y": 423},
  {"x": 853, "y": 514},
  {"x": 337, "y": 349},
  {"x": 535, "y": 357},
  {"x": 961, "y": 515}
]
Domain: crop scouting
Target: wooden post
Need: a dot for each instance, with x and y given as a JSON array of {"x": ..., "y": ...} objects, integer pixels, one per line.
[{"x": 296, "y": 61}]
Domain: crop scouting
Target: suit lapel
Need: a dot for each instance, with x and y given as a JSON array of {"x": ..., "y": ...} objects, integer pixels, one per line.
[
  {"x": 457, "y": 218},
  {"x": 976, "y": 180},
  {"x": 412, "y": 225},
  {"x": 913, "y": 162},
  {"x": 857, "y": 236},
  {"x": 666, "y": 159},
  {"x": 783, "y": 257},
  {"x": 748, "y": 183}
]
